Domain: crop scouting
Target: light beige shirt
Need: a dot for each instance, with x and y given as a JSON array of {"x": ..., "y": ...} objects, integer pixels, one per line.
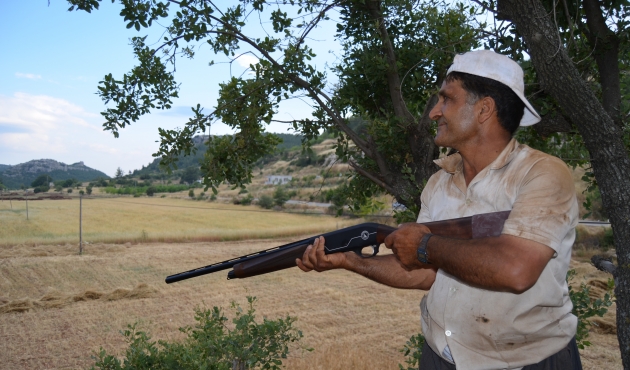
[{"x": 494, "y": 330}]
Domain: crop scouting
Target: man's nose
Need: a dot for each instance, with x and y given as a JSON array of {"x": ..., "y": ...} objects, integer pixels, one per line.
[{"x": 436, "y": 112}]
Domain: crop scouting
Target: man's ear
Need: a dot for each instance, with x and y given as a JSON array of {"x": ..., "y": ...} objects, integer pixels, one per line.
[{"x": 487, "y": 109}]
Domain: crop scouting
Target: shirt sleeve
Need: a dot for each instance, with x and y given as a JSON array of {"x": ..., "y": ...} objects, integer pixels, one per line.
[{"x": 545, "y": 209}]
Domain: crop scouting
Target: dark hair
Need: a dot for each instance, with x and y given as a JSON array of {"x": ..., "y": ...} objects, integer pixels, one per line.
[{"x": 510, "y": 108}]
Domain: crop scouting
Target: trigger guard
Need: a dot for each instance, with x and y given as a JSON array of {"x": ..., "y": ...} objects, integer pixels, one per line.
[{"x": 374, "y": 251}]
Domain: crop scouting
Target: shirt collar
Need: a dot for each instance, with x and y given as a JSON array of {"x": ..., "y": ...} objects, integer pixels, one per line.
[{"x": 453, "y": 163}]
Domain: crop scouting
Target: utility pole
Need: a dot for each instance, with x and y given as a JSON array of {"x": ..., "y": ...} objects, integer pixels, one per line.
[
  {"x": 27, "y": 209},
  {"x": 80, "y": 224}
]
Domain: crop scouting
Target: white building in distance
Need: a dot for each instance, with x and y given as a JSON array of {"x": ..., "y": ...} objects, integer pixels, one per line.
[{"x": 278, "y": 180}]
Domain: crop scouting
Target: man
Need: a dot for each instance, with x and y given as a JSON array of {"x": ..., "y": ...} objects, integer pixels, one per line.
[{"x": 497, "y": 302}]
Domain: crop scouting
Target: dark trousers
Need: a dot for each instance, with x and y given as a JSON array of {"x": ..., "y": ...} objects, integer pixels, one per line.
[{"x": 567, "y": 359}]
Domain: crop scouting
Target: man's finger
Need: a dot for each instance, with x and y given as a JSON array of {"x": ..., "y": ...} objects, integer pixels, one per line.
[
  {"x": 307, "y": 261},
  {"x": 301, "y": 265}
]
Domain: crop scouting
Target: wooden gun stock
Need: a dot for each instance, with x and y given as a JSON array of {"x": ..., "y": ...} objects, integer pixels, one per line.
[{"x": 354, "y": 238}]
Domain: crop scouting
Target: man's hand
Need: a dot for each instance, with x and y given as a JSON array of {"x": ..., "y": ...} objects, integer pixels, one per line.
[
  {"x": 404, "y": 242},
  {"x": 314, "y": 258}
]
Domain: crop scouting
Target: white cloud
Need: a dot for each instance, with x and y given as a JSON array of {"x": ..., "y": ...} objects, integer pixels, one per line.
[
  {"x": 30, "y": 76},
  {"x": 40, "y": 123},
  {"x": 40, "y": 126},
  {"x": 246, "y": 59}
]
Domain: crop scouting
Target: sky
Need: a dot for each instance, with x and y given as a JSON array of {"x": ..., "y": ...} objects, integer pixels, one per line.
[{"x": 53, "y": 62}]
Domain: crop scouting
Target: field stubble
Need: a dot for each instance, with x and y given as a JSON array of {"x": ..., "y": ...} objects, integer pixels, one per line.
[
  {"x": 123, "y": 219},
  {"x": 80, "y": 303}
]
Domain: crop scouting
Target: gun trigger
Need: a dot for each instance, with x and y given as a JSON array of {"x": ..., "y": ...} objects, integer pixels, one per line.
[{"x": 375, "y": 250}]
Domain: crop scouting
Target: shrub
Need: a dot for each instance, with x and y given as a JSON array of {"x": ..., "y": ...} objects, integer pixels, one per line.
[
  {"x": 247, "y": 200},
  {"x": 150, "y": 191},
  {"x": 191, "y": 193},
  {"x": 69, "y": 191},
  {"x": 210, "y": 344},
  {"x": 584, "y": 307},
  {"x": 280, "y": 196},
  {"x": 265, "y": 202},
  {"x": 89, "y": 190},
  {"x": 213, "y": 197},
  {"x": 412, "y": 352},
  {"x": 41, "y": 189}
]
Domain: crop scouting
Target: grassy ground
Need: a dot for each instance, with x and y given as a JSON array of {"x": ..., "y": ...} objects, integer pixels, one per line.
[
  {"x": 58, "y": 308},
  {"x": 149, "y": 219}
]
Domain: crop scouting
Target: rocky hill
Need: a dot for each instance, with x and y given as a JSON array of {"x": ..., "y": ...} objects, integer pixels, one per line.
[{"x": 14, "y": 177}]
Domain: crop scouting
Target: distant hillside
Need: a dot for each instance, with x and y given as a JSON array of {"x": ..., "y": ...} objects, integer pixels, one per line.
[
  {"x": 23, "y": 174},
  {"x": 288, "y": 141},
  {"x": 4, "y": 167}
]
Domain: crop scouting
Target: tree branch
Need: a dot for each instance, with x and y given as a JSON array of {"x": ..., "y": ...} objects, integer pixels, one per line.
[{"x": 372, "y": 177}]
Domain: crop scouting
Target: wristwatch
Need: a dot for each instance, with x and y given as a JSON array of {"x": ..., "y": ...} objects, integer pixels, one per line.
[{"x": 422, "y": 249}]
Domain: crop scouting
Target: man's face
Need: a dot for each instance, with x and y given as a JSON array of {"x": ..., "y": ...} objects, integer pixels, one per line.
[{"x": 455, "y": 116}]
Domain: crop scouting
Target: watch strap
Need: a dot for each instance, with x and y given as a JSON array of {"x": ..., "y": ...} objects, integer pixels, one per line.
[{"x": 422, "y": 249}]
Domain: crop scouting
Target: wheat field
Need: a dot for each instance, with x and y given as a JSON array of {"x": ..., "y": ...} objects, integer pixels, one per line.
[
  {"x": 123, "y": 219},
  {"x": 57, "y": 308}
]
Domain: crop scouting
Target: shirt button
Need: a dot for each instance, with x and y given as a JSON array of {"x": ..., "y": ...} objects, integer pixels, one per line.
[
  {"x": 448, "y": 333},
  {"x": 468, "y": 201}
]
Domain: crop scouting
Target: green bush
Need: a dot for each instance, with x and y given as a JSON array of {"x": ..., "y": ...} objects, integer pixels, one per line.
[
  {"x": 191, "y": 193},
  {"x": 131, "y": 190},
  {"x": 280, "y": 196},
  {"x": 247, "y": 200},
  {"x": 41, "y": 189},
  {"x": 584, "y": 307},
  {"x": 150, "y": 191},
  {"x": 211, "y": 344},
  {"x": 265, "y": 201},
  {"x": 412, "y": 352}
]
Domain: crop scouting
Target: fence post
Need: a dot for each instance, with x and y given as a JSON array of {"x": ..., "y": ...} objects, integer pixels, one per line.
[
  {"x": 80, "y": 224},
  {"x": 26, "y": 208}
]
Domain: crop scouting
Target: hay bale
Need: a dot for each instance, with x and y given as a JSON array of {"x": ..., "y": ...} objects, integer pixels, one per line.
[
  {"x": 88, "y": 295},
  {"x": 603, "y": 326},
  {"x": 21, "y": 305}
]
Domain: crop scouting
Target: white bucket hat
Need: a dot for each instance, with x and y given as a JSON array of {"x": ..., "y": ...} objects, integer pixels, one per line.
[{"x": 487, "y": 63}]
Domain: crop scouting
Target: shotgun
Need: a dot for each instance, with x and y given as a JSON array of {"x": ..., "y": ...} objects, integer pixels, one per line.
[{"x": 363, "y": 239}]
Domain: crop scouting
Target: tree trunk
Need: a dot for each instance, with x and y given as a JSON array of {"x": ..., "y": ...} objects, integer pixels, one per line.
[
  {"x": 605, "y": 46},
  {"x": 602, "y": 137}
]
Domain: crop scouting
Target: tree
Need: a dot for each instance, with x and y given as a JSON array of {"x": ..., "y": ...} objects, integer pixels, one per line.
[
  {"x": 119, "y": 173},
  {"x": 280, "y": 196},
  {"x": 151, "y": 190},
  {"x": 265, "y": 201},
  {"x": 395, "y": 54},
  {"x": 190, "y": 175},
  {"x": 44, "y": 179}
]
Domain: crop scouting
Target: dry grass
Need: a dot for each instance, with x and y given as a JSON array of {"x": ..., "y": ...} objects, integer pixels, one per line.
[
  {"x": 351, "y": 322},
  {"x": 149, "y": 219}
]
